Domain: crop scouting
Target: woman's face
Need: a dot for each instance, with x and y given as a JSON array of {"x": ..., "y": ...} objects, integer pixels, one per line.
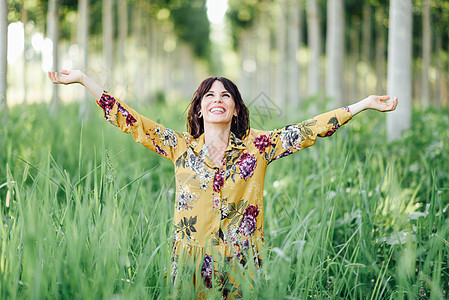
[{"x": 217, "y": 105}]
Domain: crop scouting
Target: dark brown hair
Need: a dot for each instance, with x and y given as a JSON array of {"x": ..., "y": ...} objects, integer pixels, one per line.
[{"x": 239, "y": 125}]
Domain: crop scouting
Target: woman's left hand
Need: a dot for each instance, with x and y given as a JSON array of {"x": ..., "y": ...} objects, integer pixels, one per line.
[{"x": 380, "y": 103}]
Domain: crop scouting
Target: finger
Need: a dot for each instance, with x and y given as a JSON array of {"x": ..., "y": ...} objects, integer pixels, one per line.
[
  {"x": 384, "y": 98},
  {"x": 65, "y": 72},
  {"x": 51, "y": 75}
]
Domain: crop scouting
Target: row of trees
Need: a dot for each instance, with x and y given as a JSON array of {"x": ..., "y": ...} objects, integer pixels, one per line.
[{"x": 291, "y": 50}]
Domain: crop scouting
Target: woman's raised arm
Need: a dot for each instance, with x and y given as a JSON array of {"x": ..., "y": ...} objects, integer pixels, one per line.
[
  {"x": 76, "y": 76},
  {"x": 374, "y": 102}
]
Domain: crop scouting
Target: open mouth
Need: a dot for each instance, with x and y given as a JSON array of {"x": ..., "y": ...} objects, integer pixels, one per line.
[{"x": 217, "y": 110}]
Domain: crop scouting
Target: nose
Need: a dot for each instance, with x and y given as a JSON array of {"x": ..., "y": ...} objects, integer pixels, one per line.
[{"x": 218, "y": 99}]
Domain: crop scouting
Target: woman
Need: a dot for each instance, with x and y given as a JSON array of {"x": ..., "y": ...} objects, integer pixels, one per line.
[{"x": 220, "y": 166}]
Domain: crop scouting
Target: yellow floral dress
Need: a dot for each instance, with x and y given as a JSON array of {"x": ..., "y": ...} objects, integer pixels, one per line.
[{"x": 219, "y": 211}]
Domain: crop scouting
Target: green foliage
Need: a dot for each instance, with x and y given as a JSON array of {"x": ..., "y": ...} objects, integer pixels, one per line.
[
  {"x": 353, "y": 217},
  {"x": 242, "y": 14}
]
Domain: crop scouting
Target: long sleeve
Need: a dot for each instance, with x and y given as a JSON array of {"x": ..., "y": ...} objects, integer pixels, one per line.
[
  {"x": 152, "y": 135},
  {"x": 289, "y": 139}
]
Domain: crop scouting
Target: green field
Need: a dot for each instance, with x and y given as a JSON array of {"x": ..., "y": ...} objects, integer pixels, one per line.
[{"x": 86, "y": 212}]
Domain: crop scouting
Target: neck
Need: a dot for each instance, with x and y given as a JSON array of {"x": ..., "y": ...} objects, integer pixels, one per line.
[{"x": 217, "y": 136}]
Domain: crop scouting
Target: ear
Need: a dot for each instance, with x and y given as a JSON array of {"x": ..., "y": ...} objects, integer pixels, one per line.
[{"x": 236, "y": 113}]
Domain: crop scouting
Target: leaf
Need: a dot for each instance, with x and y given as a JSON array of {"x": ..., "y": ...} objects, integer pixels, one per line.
[
  {"x": 308, "y": 131},
  {"x": 183, "y": 235},
  {"x": 215, "y": 242},
  {"x": 231, "y": 206},
  {"x": 240, "y": 204},
  {"x": 181, "y": 224},
  {"x": 311, "y": 123},
  {"x": 185, "y": 221},
  {"x": 333, "y": 121},
  {"x": 194, "y": 219},
  {"x": 188, "y": 231},
  {"x": 235, "y": 220},
  {"x": 231, "y": 215},
  {"x": 266, "y": 156},
  {"x": 192, "y": 228},
  {"x": 227, "y": 174}
]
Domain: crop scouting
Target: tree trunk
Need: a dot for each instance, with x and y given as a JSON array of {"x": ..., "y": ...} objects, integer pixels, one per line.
[
  {"x": 24, "y": 19},
  {"x": 263, "y": 51},
  {"x": 438, "y": 45},
  {"x": 400, "y": 66},
  {"x": 108, "y": 38},
  {"x": 293, "y": 41},
  {"x": 83, "y": 34},
  {"x": 280, "y": 50},
  {"x": 122, "y": 30},
  {"x": 426, "y": 50},
  {"x": 3, "y": 57},
  {"x": 380, "y": 51},
  {"x": 53, "y": 34},
  {"x": 366, "y": 47},
  {"x": 314, "y": 45},
  {"x": 335, "y": 51}
]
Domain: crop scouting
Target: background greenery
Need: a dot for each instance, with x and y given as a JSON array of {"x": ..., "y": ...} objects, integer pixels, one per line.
[{"x": 86, "y": 212}]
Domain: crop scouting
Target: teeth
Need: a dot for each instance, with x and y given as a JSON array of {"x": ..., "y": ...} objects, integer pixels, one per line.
[{"x": 217, "y": 109}]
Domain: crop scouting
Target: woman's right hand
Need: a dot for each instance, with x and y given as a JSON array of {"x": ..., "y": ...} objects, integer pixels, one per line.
[{"x": 68, "y": 77}]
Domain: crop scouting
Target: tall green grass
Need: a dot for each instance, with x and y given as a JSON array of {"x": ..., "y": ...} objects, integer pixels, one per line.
[{"x": 353, "y": 217}]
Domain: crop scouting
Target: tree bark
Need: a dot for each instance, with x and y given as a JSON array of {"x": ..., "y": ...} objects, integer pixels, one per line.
[
  {"x": 122, "y": 30},
  {"x": 3, "y": 57},
  {"x": 281, "y": 38},
  {"x": 24, "y": 19},
  {"x": 53, "y": 34},
  {"x": 335, "y": 51},
  {"x": 263, "y": 50},
  {"x": 400, "y": 67},
  {"x": 83, "y": 35},
  {"x": 426, "y": 50},
  {"x": 314, "y": 45},
  {"x": 366, "y": 47},
  {"x": 108, "y": 38},
  {"x": 293, "y": 43},
  {"x": 380, "y": 51},
  {"x": 437, "y": 95}
]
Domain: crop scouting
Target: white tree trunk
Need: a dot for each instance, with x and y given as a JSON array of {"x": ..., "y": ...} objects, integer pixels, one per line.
[
  {"x": 314, "y": 45},
  {"x": 24, "y": 19},
  {"x": 400, "y": 66},
  {"x": 122, "y": 30},
  {"x": 263, "y": 52},
  {"x": 53, "y": 34},
  {"x": 426, "y": 50},
  {"x": 380, "y": 51},
  {"x": 293, "y": 43},
  {"x": 281, "y": 39},
  {"x": 83, "y": 35},
  {"x": 366, "y": 47},
  {"x": 108, "y": 38},
  {"x": 3, "y": 56},
  {"x": 335, "y": 40}
]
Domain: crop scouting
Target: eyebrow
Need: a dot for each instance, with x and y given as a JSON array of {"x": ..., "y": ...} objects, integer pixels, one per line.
[{"x": 212, "y": 91}]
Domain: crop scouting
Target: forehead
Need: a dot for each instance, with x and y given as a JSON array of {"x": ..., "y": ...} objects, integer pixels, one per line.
[{"x": 217, "y": 86}]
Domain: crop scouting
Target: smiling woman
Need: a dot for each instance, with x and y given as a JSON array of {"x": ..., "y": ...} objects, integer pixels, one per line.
[{"x": 220, "y": 165}]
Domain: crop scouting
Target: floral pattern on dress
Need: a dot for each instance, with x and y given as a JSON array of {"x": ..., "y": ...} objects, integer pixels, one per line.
[
  {"x": 261, "y": 142},
  {"x": 206, "y": 270},
  {"x": 219, "y": 211},
  {"x": 184, "y": 199},
  {"x": 247, "y": 164},
  {"x": 290, "y": 137},
  {"x": 218, "y": 180}
]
